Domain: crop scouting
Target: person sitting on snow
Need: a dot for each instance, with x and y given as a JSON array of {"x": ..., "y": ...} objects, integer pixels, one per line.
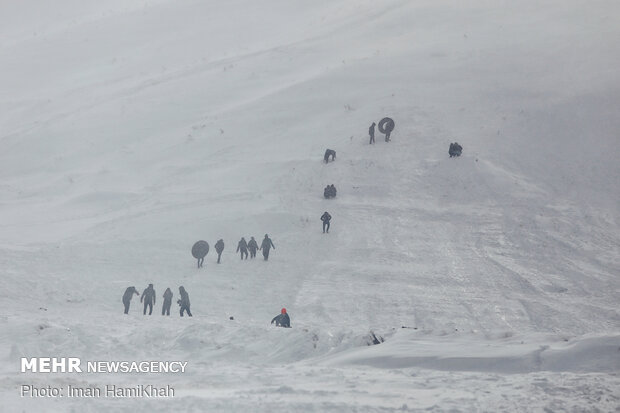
[
  {"x": 455, "y": 149},
  {"x": 329, "y": 191},
  {"x": 282, "y": 320}
]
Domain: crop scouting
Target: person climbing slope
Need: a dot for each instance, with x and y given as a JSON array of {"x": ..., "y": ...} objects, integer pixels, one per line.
[
  {"x": 219, "y": 248},
  {"x": 371, "y": 132},
  {"x": 326, "y": 218},
  {"x": 184, "y": 301},
  {"x": 148, "y": 297},
  {"x": 265, "y": 246},
  {"x": 242, "y": 247},
  {"x": 252, "y": 246},
  {"x": 165, "y": 309}
]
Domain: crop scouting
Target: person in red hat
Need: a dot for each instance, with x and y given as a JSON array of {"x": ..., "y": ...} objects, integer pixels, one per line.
[{"x": 282, "y": 320}]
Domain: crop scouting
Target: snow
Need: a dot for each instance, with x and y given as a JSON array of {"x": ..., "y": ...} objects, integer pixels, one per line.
[{"x": 132, "y": 129}]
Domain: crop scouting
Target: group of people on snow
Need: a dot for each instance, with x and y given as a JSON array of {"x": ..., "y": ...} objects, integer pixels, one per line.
[
  {"x": 148, "y": 298},
  {"x": 455, "y": 150},
  {"x": 243, "y": 247},
  {"x": 248, "y": 249},
  {"x": 329, "y": 191},
  {"x": 386, "y": 126}
]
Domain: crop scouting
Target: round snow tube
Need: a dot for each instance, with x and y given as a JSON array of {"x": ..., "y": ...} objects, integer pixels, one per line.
[
  {"x": 386, "y": 125},
  {"x": 200, "y": 249}
]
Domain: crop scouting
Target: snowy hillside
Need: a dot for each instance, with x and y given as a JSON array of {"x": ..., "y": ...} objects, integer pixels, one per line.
[{"x": 131, "y": 129}]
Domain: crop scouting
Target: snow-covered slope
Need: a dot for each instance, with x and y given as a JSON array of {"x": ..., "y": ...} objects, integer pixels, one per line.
[{"x": 131, "y": 129}]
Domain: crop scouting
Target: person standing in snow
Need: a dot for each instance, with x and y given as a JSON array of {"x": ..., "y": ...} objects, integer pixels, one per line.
[
  {"x": 184, "y": 301},
  {"x": 326, "y": 218},
  {"x": 252, "y": 246},
  {"x": 282, "y": 320},
  {"x": 148, "y": 297},
  {"x": 165, "y": 309},
  {"x": 243, "y": 248},
  {"x": 371, "y": 132},
  {"x": 219, "y": 247},
  {"x": 265, "y": 246},
  {"x": 129, "y": 292}
]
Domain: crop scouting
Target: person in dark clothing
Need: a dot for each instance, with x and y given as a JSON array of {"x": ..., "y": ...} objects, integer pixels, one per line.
[
  {"x": 243, "y": 248},
  {"x": 219, "y": 247},
  {"x": 329, "y": 191},
  {"x": 252, "y": 246},
  {"x": 184, "y": 301},
  {"x": 265, "y": 246},
  {"x": 326, "y": 218},
  {"x": 129, "y": 292},
  {"x": 282, "y": 320},
  {"x": 371, "y": 132},
  {"x": 148, "y": 297},
  {"x": 326, "y": 192},
  {"x": 200, "y": 251},
  {"x": 455, "y": 149},
  {"x": 165, "y": 310},
  {"x": 328, "y": 153},
  {"x": 386, "y": 125}
]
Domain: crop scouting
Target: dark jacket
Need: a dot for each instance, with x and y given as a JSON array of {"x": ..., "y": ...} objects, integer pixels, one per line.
[
  {"x": 282, "y": 320},
  {"x": 243, "y": 246},
  {"x": 148, "y": 295},
  {"x": 129, "y": 292},
  {"x": 326, "y": 217},
  {"x": 168, "y": 295},
  {"x": 184, "y": 301},
  {"x": 219, "y": 246},
  {"x": 267, "y": 244},
  {"x": 328, "y": 153},
  {"x": 252, "y": 244},
  {"x": 371, "y": 130}
]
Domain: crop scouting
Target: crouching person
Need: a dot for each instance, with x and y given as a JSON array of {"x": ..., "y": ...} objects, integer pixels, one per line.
[
  {"x": 329, "y": 153},
  {"x": 282, "y": 320},
  {"x": 129, "y": 292}
]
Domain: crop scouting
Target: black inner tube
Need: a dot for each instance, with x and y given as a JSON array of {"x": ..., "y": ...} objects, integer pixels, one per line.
[
  {"x": 200, "y": 249},
  {"x": 386, "y": 125}
]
